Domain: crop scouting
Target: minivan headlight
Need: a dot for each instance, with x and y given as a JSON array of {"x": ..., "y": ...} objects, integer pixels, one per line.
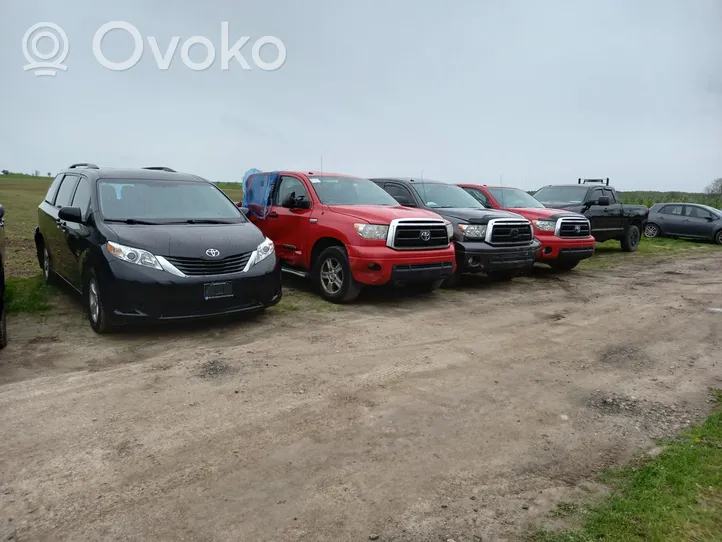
[
  {"x": 372, "y": 231},
  {"x": 263, "y": 251},
  {"x": 137, "y": 256}
]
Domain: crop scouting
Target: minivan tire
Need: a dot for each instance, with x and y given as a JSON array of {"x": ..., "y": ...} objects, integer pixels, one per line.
[
  {"x": 98, "y": 315},
  {"x": 332, "y": 276}
]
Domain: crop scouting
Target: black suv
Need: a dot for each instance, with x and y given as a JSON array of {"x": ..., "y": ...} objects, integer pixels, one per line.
[
  {"x": 498, "y": 243},
  {"x": 3, "y": 323},
  {"x": 153, "y": 244}
]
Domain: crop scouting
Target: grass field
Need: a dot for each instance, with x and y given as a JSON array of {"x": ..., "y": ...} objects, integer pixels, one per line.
[
  {"x": 677, "y": 496},
  {"x": 21, "y": 196}
]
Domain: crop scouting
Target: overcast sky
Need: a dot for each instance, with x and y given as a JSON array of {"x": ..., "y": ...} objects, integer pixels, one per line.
[{"x": 539, "y": 92}]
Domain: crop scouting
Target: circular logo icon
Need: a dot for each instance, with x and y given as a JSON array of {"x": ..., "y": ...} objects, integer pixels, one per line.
[
  {"x": 425, "y": 235},
  {"x": 514, "y": 233},
  {"x": 213, "y": 253},
  {"x": 577, "y": 229}
]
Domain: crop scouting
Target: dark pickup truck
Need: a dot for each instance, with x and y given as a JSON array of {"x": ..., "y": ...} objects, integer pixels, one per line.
[
  {"x": 499, "y": 244},
  {"x": 595, "y": 199}
]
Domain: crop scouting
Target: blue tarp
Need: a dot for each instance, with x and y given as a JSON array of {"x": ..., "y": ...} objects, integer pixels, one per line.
[{"x": 257, "y": 188}]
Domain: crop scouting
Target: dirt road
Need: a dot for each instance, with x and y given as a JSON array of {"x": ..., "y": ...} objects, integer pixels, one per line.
[{"x": 466, "y": 415}]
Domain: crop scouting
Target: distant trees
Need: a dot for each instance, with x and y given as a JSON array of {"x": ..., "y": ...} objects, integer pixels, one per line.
[
  {"x": 50, "y": 174},
  {"x": 714, "y": 188},
  {"x": 5, "y": 172}
]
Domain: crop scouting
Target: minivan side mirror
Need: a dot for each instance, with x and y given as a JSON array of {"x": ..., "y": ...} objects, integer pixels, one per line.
[
  {"x": 603, "y": 201},
  {"x": 70, "y": 214},
  {"x": 244, "y": 210}
]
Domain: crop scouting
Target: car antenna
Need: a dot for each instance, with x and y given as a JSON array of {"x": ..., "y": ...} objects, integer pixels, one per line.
[{"x": 426, "y": 201}]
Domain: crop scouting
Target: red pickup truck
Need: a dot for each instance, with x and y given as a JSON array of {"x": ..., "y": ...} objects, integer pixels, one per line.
[
  {"x": 565, "y": 236},
  {"x": 344, "y": 232}
]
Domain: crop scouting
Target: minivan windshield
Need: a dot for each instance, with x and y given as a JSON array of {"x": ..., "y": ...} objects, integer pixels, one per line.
[
  {"x": 561, "y": 194},
  {"x": 441, "y": 196},
  {"x": 349, "y": 191},
  {"x": 513, "y": 198},
  {"x": 165, "y": 201}
]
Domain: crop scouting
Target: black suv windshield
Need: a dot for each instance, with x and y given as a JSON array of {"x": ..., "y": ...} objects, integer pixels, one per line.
[
  {"x": 446, "y": 196},
  {"x": 513, "y": 198},
  {"x": 164, "y": 201},
  {"x": 349, "y": 191},
  {"x": 562, "y": 194}
]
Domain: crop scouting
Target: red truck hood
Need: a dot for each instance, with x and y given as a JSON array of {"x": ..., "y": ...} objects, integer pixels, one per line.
[
  {"x": 380, "y": 214},
  {"x": 535, "y": 213}
]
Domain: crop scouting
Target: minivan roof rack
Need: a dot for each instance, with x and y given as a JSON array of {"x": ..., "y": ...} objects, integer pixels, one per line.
[
  {"x": 160, "y": 168},
  {"x": 84, "y": 164},
  {"x": 590, "y": 181}
]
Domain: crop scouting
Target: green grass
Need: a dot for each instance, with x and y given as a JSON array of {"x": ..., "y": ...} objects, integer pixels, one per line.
[
  {"x": 609, "y": 254},
  {"x": 27, "y": 295},
  {"x": 677, "y": 496}
]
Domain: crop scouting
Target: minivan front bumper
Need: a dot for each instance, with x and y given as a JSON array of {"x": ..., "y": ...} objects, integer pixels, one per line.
[{"x": 134, "y": 293}]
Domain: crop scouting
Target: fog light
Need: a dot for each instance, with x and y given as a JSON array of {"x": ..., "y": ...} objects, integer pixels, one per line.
[
  {"x": 547, "y": 250},
  {"x": 474, "y": 261},
  {"x": 374, "y": 267}
]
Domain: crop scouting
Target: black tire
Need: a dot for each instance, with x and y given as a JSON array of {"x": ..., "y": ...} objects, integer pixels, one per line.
[
  {"x": 630, "y": 242},
  {"x": 503, "y": 276},
  {"x": 98, "y": 314},
  {"x": 452, "y": 281},
  {"x": 332, "y": 276},
  {"x": 651, "y": 231},
  {"x": 424, "y": 287},
  {"x": 48, "y": 273},
  {"x": 3, "y": 329},
  {"x": 563, "y": 265},
  {"x": 718, "y": 237}
]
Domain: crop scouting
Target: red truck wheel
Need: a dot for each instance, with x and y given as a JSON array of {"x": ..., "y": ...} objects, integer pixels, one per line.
[{"x": 333, "y": 278}]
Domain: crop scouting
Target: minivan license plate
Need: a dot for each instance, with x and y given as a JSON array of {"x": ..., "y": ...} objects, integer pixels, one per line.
[{"x": 215, "y": 290}]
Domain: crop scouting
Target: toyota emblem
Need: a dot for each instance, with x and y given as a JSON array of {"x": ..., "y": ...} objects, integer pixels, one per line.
[
  {"x": 425, "y": 235},
  {"x": 213, "y": 253},
  {"x": 577, "y": 229},
  {"x": 514, "y": 233}
]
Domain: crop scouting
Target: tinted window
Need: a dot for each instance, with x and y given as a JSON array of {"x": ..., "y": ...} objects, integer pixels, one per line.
[
  {"x": 400, "y": 194},
  {"x": 165, "y": 201},
  {"x": 671, "y": 210},
  {"x": 289, "y": 185},
  {"x": 349, "y": 191},
  {"x": 562, "y": 194},
  {"x": 513, "y": 198},
  {"x": 698, "y": 212},
  {"x": 478, "y": 196},
  {"x": 65, "y": 193},
  {"x": 82, "y": 197},
  {"x": 446, "y": 196},
  {"x": 53, "y": 190},
  {"x": 609, "y": 194}
]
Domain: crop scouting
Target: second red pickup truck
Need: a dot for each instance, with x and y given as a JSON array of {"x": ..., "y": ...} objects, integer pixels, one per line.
[
  {"x": 565, "y": 236},
  {"x": 344, "y": 232}
]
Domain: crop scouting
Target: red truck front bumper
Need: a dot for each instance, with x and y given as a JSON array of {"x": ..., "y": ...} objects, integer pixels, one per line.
[
  {"x": 380, "y": 265},
  {"x": 554, "y": 248}
]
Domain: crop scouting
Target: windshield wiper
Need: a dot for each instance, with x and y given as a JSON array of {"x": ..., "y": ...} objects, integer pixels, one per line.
[
  {"x": 132, "y": 221},
  {"x": 201, "y": 221}
]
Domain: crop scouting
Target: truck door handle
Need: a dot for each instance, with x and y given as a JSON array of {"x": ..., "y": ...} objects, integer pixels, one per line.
[{"x": 273, "y": 214}]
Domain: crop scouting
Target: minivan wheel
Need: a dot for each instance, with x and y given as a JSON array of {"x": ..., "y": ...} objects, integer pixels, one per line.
[
  {"x": 333, "y": 278},
  {"x": 3, "y": 329},
  {"x": 97, "y": 313},
  {"x": 48, "y": 273}
]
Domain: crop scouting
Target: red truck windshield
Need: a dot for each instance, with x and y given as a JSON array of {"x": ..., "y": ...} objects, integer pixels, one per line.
[
  {"x": 513, "y": 198},
  {"x": 349, "y": 191}
]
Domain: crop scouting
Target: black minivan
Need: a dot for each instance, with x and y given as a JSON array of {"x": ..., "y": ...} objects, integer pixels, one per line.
[{"x": 153, "y": 244}]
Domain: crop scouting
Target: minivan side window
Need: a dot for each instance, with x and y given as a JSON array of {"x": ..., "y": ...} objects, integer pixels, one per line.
[
  {"x": 82, "y": 197},
  {"x": 65, "y": 193},
  {"x": 53, "y": 190}
]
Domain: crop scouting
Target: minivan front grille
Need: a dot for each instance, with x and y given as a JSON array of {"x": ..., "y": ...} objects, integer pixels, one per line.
[
  {"x": 573, "y": 227},
  {"x": 509, "y": 232},
  {"x": 202, "y": 266},
  {"x": 418, "y": 234}
]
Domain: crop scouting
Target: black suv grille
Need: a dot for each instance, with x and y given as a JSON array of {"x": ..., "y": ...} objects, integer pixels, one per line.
[
  {"x": 510, "y": 232},
  {"x": 573, "y": 227},
  {"x": 420, "y": 234},
  {"x": 201, "y": 266}
]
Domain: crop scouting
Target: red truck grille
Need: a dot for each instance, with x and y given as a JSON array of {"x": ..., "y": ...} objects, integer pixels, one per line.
[{"x": 573, "y": 227}]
